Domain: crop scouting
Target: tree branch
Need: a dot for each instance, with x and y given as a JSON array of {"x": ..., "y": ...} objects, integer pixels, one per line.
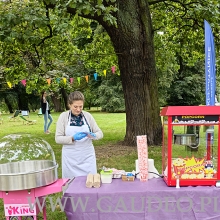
[
  {"x": 176, "y": 1},
  {"x": 48, "y": 25}
]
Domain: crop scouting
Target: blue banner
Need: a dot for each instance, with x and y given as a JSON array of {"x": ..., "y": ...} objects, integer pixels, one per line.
[{"x": 209, "y": 65}]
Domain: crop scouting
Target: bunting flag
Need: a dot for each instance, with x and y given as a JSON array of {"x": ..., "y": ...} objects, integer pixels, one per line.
[
  {"x": 95, "y": 76},
  {"x": 71, "y": 80},
  {"x": 23, "y": 81},
  {"x": 87, "y": 78},
  {"x": 113, "y": 69},
  {"x": 58, "y": 80},
  {"x": 48, "y": 81},
  {"x": 9, "y": 84},
  {"x": 78, "y": 79},
  {"x": 104, "y": 71}
]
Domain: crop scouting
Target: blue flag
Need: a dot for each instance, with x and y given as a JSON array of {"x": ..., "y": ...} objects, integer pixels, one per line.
[
  {"x": 210, "y": 80},
  {"x": 209, "y": 65}
]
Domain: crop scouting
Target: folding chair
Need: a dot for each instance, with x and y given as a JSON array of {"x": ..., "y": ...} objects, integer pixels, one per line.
[
  {"x": 14, "y": 116},
  {"x": 25, "y": 113},
  {"x": 26, "y": 121}
]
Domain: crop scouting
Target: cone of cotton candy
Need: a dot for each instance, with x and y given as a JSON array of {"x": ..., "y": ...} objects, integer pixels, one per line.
[{"x": 142, "y": 149}]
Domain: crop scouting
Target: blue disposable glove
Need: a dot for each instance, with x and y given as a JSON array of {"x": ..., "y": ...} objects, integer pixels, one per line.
[
  {"x": 79, "y": 135},
  {"x": 92, "y": 135}
]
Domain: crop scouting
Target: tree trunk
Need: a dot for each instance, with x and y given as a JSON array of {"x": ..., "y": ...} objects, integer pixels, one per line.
[
  {"x": 57, "y": 103},
  {"x": 133, "y": 43},
  {"x": 8, "y": 103},
  {"x": 65, "y": 98},
  {"x": 23, "y": 101}
]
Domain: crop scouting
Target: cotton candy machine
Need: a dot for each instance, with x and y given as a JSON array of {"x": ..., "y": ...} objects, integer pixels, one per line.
[
  {"x": 26, "y": 162},
  {"x": 28, "y": 171}
]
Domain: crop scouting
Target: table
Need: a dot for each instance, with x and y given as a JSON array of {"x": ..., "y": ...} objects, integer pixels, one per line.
[{"x": 152, "y": 200}]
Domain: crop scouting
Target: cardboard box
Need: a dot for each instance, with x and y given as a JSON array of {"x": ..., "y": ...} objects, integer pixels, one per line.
[{"x": 127, "y": 178}]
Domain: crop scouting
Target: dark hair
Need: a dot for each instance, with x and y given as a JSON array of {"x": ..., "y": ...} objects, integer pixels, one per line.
[
  {"x": 42, "y": 93},
  {"x": 75, "y": 96}
]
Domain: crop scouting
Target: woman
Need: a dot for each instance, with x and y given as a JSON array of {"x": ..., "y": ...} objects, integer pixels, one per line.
[
  {"x": 46, "y": 112},
  {"x": 75, "y": 131}
]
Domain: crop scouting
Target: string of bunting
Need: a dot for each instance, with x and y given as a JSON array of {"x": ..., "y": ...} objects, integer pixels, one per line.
[{"x": 71, "y": 80}]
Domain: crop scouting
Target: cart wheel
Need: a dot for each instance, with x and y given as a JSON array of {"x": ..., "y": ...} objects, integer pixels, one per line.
[{"x": 13, "y": 218}]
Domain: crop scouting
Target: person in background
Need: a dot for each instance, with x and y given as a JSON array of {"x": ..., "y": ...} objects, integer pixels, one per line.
[
  {"x": 46, "y": 112},
  {"x": 75, "y": 130}
]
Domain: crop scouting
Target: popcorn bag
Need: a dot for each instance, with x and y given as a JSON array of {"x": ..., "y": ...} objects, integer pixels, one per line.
[{"x": 142, "y": 157}]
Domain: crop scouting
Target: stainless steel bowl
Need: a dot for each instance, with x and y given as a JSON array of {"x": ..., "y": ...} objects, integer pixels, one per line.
[
  {"x": 26, "y": 162},
  {"x": 185, "y": 139},
  {"x": 27, "y": 174}
]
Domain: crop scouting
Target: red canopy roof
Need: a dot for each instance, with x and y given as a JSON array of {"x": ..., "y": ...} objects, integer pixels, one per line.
[{"x": 190, "y": 110}]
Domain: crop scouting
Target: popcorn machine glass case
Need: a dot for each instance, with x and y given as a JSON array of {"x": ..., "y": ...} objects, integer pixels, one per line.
[{"x": 190, "y": 148}]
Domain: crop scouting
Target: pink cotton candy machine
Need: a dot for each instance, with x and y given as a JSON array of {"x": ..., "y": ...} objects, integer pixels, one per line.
[{"x": 27, "y": 169}]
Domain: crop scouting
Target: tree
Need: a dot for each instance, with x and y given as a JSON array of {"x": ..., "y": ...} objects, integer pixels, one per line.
[
  {"x": 188, "y": 86},
  {"x": 132, "y": 39},
  {"x": 111, "y": 97}
]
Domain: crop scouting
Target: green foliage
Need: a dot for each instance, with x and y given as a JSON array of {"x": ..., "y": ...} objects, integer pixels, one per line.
[
  {"x": 166, "y": 65},
  {"x": 104, "y": 9},
  {"x": 9, "y": 96},
  {"x": 91, "y": 92},
  {"x": 100, "y": 54},
  {"x": 181, "y": 25},
  {"x": 38, "y": 42},
  {"x": 111, "y": 95},
  {"x": 187, "y": 88}
]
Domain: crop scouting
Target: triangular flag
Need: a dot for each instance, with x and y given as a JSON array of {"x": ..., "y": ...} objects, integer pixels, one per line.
[
  {"x": 95, "y": 76},
  {"x": 9, "y": 84},
  {"x": 48, "y": 81},
  {"x": 104, "y": 71},
  {"x": 71, "y": 80},
  {"x": 64, "y": 80},
  {"x": 87, "y": 78},
  {"x": 113, "y": 69},
  {"x": 78, "y": 78},
  {"x": 58, "y": 80},
  {"x": 23, "y": 81}
]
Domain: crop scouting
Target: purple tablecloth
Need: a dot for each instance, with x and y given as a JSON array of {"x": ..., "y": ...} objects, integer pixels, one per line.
[{"x": 152, "y": 200}]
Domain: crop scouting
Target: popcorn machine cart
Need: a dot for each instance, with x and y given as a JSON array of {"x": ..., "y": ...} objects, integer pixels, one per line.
[{"x": 191, "y": 145}]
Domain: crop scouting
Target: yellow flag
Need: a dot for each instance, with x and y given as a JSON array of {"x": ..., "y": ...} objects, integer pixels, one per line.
[
  {"x": 48, "y": 81},
  {"x": 87, "y": 78},
  {"x": 104, "y": 71},
  {"x": 9, "y": 84},
  {"x": 64, "y": 80}
]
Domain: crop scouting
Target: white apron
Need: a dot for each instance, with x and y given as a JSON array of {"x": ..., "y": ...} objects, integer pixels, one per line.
[{"x": 78, "y": 159}]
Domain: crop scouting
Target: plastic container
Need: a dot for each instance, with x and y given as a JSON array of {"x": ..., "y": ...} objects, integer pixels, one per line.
[
  {"x": 106, "y": 176},
  {"x": 116, "y": 174}
]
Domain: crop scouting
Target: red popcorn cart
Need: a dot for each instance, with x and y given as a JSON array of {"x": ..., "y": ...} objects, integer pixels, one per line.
[{"x": 191, "y": 145}]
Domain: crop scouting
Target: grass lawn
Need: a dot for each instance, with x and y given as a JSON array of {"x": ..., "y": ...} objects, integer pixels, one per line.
[{"x": 108, "y": 150}]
